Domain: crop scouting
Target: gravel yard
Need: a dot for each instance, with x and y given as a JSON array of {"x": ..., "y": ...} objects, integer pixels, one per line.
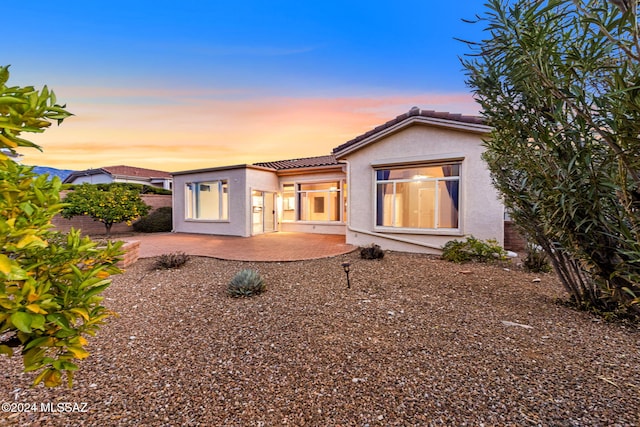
[{"x": 415, "y": 341}]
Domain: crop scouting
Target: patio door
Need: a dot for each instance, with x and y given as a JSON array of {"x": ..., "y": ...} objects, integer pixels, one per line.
[{"x": 263, "y": 212}]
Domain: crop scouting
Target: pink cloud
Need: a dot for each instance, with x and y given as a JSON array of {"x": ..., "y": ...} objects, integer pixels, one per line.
[{"x": 201, "y": 129}]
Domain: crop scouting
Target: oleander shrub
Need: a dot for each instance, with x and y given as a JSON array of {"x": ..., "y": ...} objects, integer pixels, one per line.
[
  {"x": 536, "y": 260},
  {"x": 158, "y": 221},
  {"x": 371, "y": 252},
  {"x": 245, "y": 284},
  {"x": 557, "y": 82},
  {"x": 172, "y": 260},
  {"x": 473, "y": 249}
]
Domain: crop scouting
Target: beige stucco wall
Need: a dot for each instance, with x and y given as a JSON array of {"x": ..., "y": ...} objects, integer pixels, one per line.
[
  {"x": 101, "y": 178},
  {"x": 481, "y": 211},
  {"x": 258, "y": 180},
  {"x": 236, "y": 225}
]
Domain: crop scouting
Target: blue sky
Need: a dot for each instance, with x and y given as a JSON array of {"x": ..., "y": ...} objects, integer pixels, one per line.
[{"x": 191, "y": 84}]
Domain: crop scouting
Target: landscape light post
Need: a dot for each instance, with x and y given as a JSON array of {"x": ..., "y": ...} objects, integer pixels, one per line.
[{"x": 345, "y": 266}]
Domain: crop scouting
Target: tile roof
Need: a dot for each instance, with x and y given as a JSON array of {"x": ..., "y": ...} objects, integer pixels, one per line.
[
  {"x": 121, "y": 170},
  {"x": 305, "y": 162},
  {"x": 134, "y": 171},
  {"x": 414, "y": 112}
]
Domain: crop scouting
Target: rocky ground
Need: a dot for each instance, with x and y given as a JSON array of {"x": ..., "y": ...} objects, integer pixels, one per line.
[{"x": 415, "y": 341}]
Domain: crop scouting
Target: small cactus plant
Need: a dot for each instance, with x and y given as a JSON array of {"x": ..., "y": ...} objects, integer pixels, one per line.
[{"x": 245, "y": 284}]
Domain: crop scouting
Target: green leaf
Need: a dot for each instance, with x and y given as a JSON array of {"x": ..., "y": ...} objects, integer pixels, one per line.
[
  {"x": 96, "y": 290},
  {"x": 38, "y": 342},
  {"x": 5, "y": 264},
  {"x": 4, "y": 100},
  {"x": 4, "y": 75},
  {"x": 27, "y": 208},
  {"x": 37, "y": 321},
  {"x": 5, "y": 349},
  {"x": 59, "y": 319},
  {"x": 22, "y": 321}
]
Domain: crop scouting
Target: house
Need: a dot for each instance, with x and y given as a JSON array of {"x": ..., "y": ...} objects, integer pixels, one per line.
[
  {"x": 411, "y": 184},
  {"x": 127, "y": 174}
]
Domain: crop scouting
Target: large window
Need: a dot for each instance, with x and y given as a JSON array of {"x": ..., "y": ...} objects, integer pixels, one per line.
[
  {"x": 425, "y": 197},
  {"x": 319, "y": 201},
  {"x": 207, "y": 200},
  {"x": 316, "y": 201}
]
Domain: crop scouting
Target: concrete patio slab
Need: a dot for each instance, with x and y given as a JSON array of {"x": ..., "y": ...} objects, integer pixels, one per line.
[{"x": 280, "y": 246}]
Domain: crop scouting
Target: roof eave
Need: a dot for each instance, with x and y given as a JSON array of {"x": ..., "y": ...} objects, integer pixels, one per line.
[
  {"x": 302, "y": 170},
  {"x": 87, "y": 172},
  {"x": 410, "y": 121},
  {"x": 222, "y": 168}
]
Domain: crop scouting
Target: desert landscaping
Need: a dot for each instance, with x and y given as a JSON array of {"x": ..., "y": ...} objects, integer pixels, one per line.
[{"x": 416, "y": 341}]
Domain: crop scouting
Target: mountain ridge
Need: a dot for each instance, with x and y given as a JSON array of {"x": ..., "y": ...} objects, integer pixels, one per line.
[{"x": 60, "y": 173}]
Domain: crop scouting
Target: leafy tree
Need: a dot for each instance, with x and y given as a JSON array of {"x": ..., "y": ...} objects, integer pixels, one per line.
[
  {"x": 110, "y": 205},
  {"x": 24, "y": 109},
  {"x": 559, "y": 82},
  {"x": 49, "y": 282}
]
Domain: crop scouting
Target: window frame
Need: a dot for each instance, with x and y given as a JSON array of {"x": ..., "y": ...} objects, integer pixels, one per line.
[
  {"x": 339, "y": 183},
  {"x": 436, "y": 180},
  {"x": 192, "y": 200}
]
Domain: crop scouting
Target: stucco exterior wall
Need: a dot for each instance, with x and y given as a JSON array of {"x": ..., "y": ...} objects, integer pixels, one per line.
[
  {"x": 311, "y": 226},
  {"x": 236, "y": 225},
  {"x": 93, "y": 179},
  {"x": 258, "y": 180},
  {"x": 481, "y": 211}
]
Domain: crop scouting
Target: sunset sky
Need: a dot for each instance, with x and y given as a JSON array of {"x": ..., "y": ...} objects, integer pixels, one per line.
[{"x": 195, "y": 84}]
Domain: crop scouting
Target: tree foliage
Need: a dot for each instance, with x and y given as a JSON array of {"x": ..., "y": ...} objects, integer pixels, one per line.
[
  {"x": 111, "y": 205},
  {"x": 559, "y": 82},
  {"x": 25, "y": 109},
  {"x": 50, "y": 283}
]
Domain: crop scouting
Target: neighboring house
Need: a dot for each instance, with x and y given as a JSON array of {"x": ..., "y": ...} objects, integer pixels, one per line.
[
  {"x": 411, "y": 184},
  {"x": 128, "y": 174}
]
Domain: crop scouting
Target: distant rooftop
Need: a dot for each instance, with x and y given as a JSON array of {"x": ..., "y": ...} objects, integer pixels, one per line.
[
  {"x": 120, "y": 171},
  {"x": 134, "y": 171}
]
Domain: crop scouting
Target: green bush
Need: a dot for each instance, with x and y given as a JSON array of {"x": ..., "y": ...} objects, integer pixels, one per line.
[
  {"x": 172, "y": 260},
  {"x": 50, "y": 283},
  {"x": 536, "y": 260},
  {"x": 139, "y": 188},
  {"x": 112, "y": 206},
  {"x": 245, "y": 284},
  {"x": 158, "y": 221},
  {"x": 371, "y": 252},
  {"x": 473, "y": 249}
]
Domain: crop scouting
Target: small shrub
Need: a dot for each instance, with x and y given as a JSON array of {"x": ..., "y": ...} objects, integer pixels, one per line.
[
  {"x": 473, "y": 249},
  {"x": 536, "y": 260},
  {"x": 371, "y": 252},
  {"x": 138, "y": 188},
  {"x": 158, "y": 221},
  {"x": 172, "y": 260},
  {"x": 245, "y": 284}
]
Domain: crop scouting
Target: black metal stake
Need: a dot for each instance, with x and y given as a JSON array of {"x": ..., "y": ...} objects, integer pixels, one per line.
[{"x": 345, "y": 266}]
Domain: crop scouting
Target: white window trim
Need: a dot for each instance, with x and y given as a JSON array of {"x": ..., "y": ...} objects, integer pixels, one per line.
[
  {"x": 341, "y": 182},
  {"x": 209, "y": 220},
  {"x": 417, "y": 162}
]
